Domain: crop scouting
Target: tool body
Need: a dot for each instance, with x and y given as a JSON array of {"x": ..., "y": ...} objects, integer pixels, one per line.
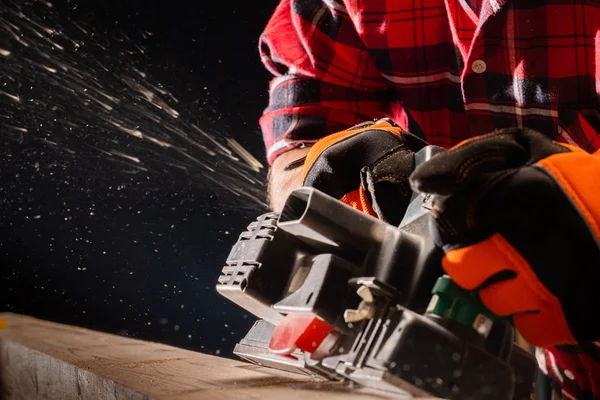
[{"x": 342, "y": 295}]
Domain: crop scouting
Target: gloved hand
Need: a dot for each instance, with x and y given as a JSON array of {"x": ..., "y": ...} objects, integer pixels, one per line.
[
  {"x": 518, "y": 216},
  {"x": 366, "y": 166}
]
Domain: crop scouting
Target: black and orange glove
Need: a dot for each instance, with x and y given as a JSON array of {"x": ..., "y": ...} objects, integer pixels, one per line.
[
  {"x": 518, "y": 216},
  {"x": 366, "y": 166}
]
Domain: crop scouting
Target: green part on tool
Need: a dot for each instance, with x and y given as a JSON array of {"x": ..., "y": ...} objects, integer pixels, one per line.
[{"x": 453, "y": 302}]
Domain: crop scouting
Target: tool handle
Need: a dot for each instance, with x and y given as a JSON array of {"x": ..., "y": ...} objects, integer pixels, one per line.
[{"x": 465, "y": 307}]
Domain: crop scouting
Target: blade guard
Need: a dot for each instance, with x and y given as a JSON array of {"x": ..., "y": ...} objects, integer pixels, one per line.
[{"x": 305, "y": 332}]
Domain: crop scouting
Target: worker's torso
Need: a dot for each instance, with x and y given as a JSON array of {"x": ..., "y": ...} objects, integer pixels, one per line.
[
  {"x": 519, "y": 63},
  {"x": 460, "y": 72}
]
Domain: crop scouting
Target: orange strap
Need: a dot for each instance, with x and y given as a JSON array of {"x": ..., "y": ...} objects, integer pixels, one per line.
[
  {"x": 578, "y": 172},
  {"x": 358, "y": 200},
  {"x": 525, "y": 297}
]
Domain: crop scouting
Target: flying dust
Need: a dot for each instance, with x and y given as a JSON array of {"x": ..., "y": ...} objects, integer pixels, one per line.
[{"x": 65, "y": 87}]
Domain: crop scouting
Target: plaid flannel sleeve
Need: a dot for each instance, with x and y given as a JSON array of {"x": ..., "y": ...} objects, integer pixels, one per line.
[{"x": 324, "y": 79}]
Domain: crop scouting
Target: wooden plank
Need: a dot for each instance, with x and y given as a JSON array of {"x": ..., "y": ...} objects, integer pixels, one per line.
[{"x": 45, "y": 360}]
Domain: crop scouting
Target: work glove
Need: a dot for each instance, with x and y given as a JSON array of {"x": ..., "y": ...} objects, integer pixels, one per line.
[
  {"x": 518, "y": 217},
  {"x": 366, "y": 166}
]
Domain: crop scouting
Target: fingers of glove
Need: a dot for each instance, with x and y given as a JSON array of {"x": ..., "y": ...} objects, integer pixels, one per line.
[
  {"x": 449, "y": 171},
  {"x": 498, "y": 151},
  {"x": 464, "y": 218},
  {"x": 334, "y": 165},
  {"x": 544, "y": 329},
  {"x": 386, "y": 181},
  {"x": 499, "y": 203}
]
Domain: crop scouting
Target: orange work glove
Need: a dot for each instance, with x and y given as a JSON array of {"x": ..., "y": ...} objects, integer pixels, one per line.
[
  {"x": 366, "y": 166},
  {"x": 518, "y": 216}
]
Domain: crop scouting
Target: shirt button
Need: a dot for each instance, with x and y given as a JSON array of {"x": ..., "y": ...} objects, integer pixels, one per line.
[
  {"x": 569, "y": 374},
  {"x": 479, "y": 66}
]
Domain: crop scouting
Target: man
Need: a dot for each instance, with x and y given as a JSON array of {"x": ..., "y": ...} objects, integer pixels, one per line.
[{"x": 500, "y": 71}]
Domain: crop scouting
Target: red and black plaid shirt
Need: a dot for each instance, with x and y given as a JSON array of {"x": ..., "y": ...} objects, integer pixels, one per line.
[
  {"x": 438, "y": 69},
  {"x": 433, "y": 68}
]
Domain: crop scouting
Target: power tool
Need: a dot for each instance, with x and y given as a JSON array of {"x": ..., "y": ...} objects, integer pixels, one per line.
[{"x": 345, "y": 296}]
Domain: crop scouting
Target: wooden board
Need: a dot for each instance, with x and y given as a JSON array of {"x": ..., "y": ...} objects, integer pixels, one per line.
[{"x": 45, "y": 360}]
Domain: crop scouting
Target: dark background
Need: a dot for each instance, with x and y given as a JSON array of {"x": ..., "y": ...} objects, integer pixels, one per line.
[{"x": 92, "y": 239}]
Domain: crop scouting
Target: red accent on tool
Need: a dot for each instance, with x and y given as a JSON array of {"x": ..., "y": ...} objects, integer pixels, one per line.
[{"x": 298, "y": 331}]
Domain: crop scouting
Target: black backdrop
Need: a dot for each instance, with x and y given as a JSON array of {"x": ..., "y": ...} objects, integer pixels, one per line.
[{"x": 90, "y": 237}]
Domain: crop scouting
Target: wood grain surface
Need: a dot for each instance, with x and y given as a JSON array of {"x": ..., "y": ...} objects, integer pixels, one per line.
[{"x": 45, "y": 360}]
